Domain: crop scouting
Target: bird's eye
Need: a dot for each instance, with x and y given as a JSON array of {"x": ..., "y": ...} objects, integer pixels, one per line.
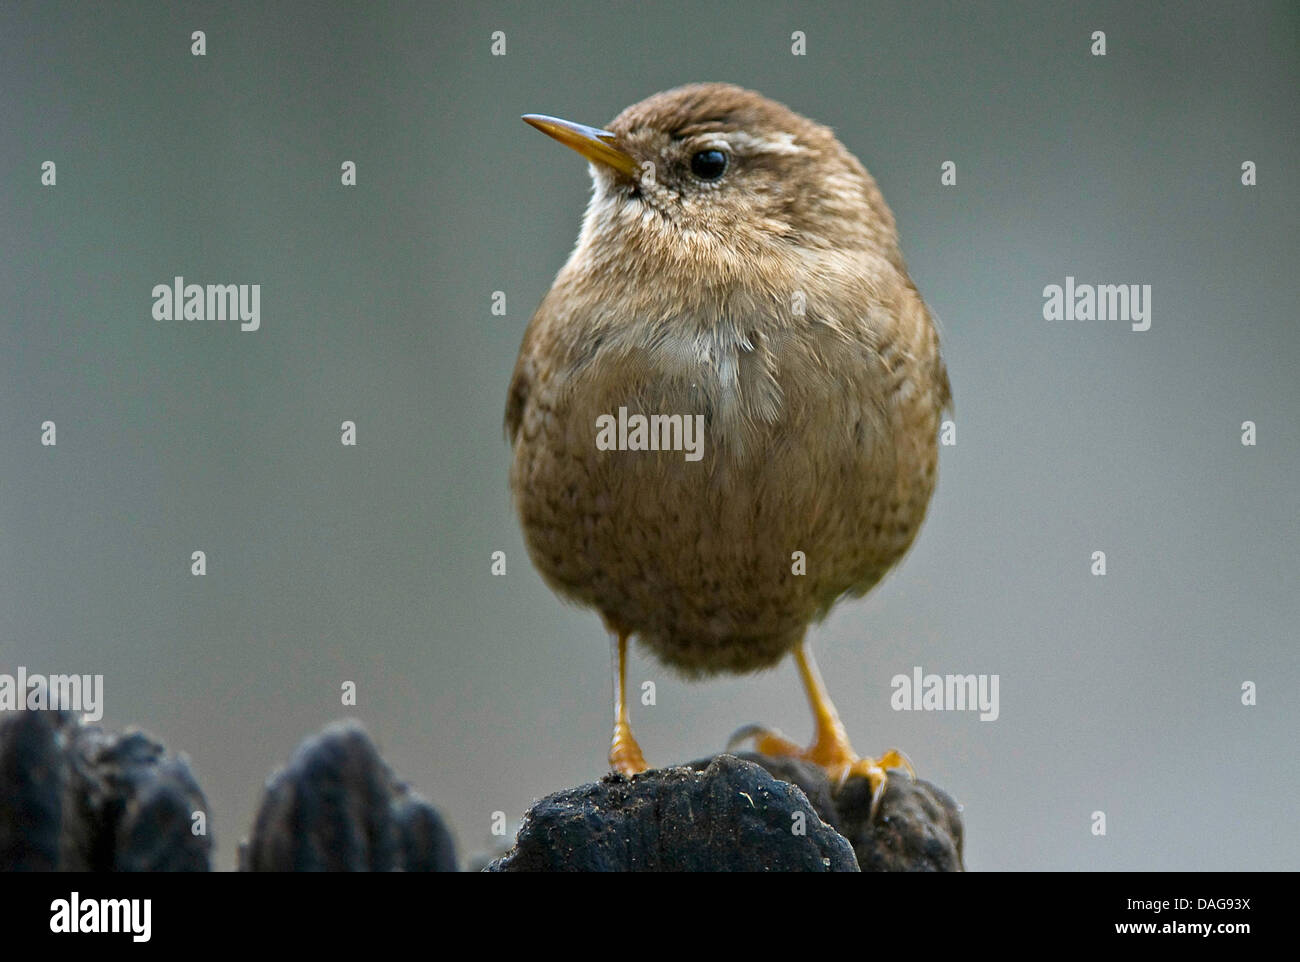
[{"x": 708, "y": 164}]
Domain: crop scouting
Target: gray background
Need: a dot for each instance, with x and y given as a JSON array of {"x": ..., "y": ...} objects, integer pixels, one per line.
[{"x": 371, "y": 564}]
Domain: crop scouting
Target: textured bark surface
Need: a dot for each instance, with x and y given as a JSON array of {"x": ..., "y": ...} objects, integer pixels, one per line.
[{"x": 746, "y": 813}]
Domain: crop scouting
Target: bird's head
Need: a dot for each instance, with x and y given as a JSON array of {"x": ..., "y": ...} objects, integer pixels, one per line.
[{"x": 712, "y": 179}]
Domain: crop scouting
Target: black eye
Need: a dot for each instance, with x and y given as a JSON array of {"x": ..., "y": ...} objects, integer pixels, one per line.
[{"x": 708, "y": 164}]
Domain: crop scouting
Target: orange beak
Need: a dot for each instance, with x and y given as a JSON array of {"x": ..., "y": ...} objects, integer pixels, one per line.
[{"x": 598, "y": 146}]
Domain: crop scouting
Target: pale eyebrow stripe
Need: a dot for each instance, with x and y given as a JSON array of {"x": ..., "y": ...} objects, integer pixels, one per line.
[{"x": 781, "y": 143}]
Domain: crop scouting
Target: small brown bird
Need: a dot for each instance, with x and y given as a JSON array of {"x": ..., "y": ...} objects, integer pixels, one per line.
[{"x": 737, "y": 271}]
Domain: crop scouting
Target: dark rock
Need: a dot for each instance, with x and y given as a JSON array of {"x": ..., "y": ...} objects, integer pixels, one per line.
[
  {"x": 33, "y": 772},
  {"x": 424, "y": 841},
  {"x": 917, "y": 827},
  {"x": 77, "y": 798},
  {"x": 337, "y": 807},
  {"x": 480, "y": 861},
  {"x": 730, "y": 816}
]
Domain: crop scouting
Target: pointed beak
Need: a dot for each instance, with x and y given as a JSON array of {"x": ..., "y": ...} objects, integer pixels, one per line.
[{"x": 598, "y": 146}]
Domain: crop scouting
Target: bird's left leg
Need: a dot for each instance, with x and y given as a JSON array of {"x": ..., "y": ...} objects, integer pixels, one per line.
[
  {"x": 624, "y": 753},
  {"x": 830, "y": 748}
]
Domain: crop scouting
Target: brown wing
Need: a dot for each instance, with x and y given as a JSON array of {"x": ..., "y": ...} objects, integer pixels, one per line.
[
  {"x": 516, "y": 399},
  {"x": 521, "y": 381}
]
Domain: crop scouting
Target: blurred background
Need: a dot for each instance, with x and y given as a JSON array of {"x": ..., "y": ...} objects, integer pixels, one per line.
[{"x": 371, "y": 564}]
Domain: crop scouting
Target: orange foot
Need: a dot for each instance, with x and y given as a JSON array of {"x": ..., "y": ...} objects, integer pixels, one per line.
[
  {"x": 624, "y": 753},
  {"x": 832, "y": 752},
  {"x": 830, "y": 748}
]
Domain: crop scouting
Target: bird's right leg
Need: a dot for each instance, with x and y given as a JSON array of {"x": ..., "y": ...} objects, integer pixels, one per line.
[
  {"x": 624, "y": 753},
  {"x": 830, "y": 748}
]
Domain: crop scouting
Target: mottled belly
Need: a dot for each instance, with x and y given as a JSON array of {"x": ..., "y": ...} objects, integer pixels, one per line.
[{"x": 719, "y": 564}]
